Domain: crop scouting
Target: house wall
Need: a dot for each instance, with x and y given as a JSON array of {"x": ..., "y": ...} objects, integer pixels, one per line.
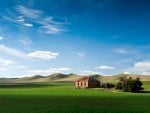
[
  {"x": 87, "y": 84},
  {"x": 93, "y": 84},
  {"x": 81, "y": 84}
]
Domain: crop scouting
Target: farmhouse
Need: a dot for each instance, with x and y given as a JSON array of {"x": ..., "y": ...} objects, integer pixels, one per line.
[{"x": 87, "y": 82}]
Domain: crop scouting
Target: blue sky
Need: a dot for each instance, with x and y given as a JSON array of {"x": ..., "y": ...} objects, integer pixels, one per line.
[{"x": 74, "y": 36}]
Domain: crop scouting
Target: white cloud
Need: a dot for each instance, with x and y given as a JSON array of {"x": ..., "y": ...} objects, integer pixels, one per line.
[
  {"x": 51, "y": 29},
  {"x": 3, "y": 69},
  {"x": 9, "y": 19},
  {"x": 145, "y": 73},
  {"x": 105, "y": 67},
  {"x": 61, "y": 69},
  {"x": 121, "y": 51},
  {"x": 46, "y": 24},
  {"x": 21, "y": 67},
  {"x": 25, "y": 41},
  {"x": 51, "y": 20},
  {"x": 1, "y": 37},
  {"x": 27, "y": 25},
  {"x": 126, "y": 72},
  {"x": 80, "y": 54},
  {"x": 45, "y": 55},
  {"x": 48, "y": 71},
  {"x": 7, "y": 62},
  {"x": 28, "y": 12},
  {"x": 142, "y": 65},
  {"x": 51, "y": 26},
  {"x": 13, "y": 52},
  {"x": 20, "y": 19},
  {"x": 89, "y": 72}
]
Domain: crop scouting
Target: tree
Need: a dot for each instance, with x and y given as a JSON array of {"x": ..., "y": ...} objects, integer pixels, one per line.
[
  {"x": 119, "y": 85},
  {"x": 130, "y": 85},
  {"x": 107, "y": 85}
]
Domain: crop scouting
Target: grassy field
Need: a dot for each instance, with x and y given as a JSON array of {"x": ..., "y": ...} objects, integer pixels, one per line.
[{"x": 64, "y": 98}]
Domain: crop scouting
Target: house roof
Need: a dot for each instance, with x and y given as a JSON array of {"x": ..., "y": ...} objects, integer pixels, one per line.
[{"x": 86, "y": 79}]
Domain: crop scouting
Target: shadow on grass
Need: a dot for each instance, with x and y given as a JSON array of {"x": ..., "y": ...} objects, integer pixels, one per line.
[
  {"x": 144, "y": 92},
  {"x": 72, "y": 104}
]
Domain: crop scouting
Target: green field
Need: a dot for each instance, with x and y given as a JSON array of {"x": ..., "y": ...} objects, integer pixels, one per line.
[{"x": 64, "y": 98}]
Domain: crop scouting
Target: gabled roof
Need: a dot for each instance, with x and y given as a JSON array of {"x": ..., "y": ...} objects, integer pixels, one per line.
[{"x": 87, "y": 78}]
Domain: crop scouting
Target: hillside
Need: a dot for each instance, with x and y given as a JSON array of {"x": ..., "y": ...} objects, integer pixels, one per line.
[
  {"x": 115, "y": 78},
  {"x": 59, "y": 77}
]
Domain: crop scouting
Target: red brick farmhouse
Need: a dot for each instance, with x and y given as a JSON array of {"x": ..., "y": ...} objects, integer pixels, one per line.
[{"x": 87, "y": 82}]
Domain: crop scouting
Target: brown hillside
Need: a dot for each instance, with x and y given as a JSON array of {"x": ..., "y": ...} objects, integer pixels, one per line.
[{"x": 59, "y": 77}]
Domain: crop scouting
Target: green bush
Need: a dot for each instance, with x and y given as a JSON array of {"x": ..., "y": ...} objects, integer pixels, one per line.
[
  {"x": 107, "y": 85},
  {"x": 119, "y": 85},
  {"x": 130, "y": 85}
]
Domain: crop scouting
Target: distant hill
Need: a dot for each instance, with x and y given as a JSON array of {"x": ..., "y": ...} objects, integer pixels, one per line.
[
  {"x": 59, "y": 77},
  {"x": 56, "y": 77},
  {"x": 116, "y": 78}
]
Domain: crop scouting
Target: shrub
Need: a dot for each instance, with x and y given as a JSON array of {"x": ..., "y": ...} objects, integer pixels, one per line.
[
  {"x": 119, "y": 85},
  {"x": 130, "y": 85},
  {"x": 107, "y": 85}
]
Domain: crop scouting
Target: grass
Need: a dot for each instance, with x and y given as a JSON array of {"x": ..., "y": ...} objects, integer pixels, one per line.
[
  {"x": 146, "y": 85},
  {"x": 64, "y": 98}
]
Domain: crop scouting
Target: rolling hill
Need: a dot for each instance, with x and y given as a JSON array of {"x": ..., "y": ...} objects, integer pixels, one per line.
[{"x": 59, "y": 77}]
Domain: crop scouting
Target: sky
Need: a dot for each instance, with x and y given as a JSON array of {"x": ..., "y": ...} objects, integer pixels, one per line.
[{"x": 41, "y": 37}]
